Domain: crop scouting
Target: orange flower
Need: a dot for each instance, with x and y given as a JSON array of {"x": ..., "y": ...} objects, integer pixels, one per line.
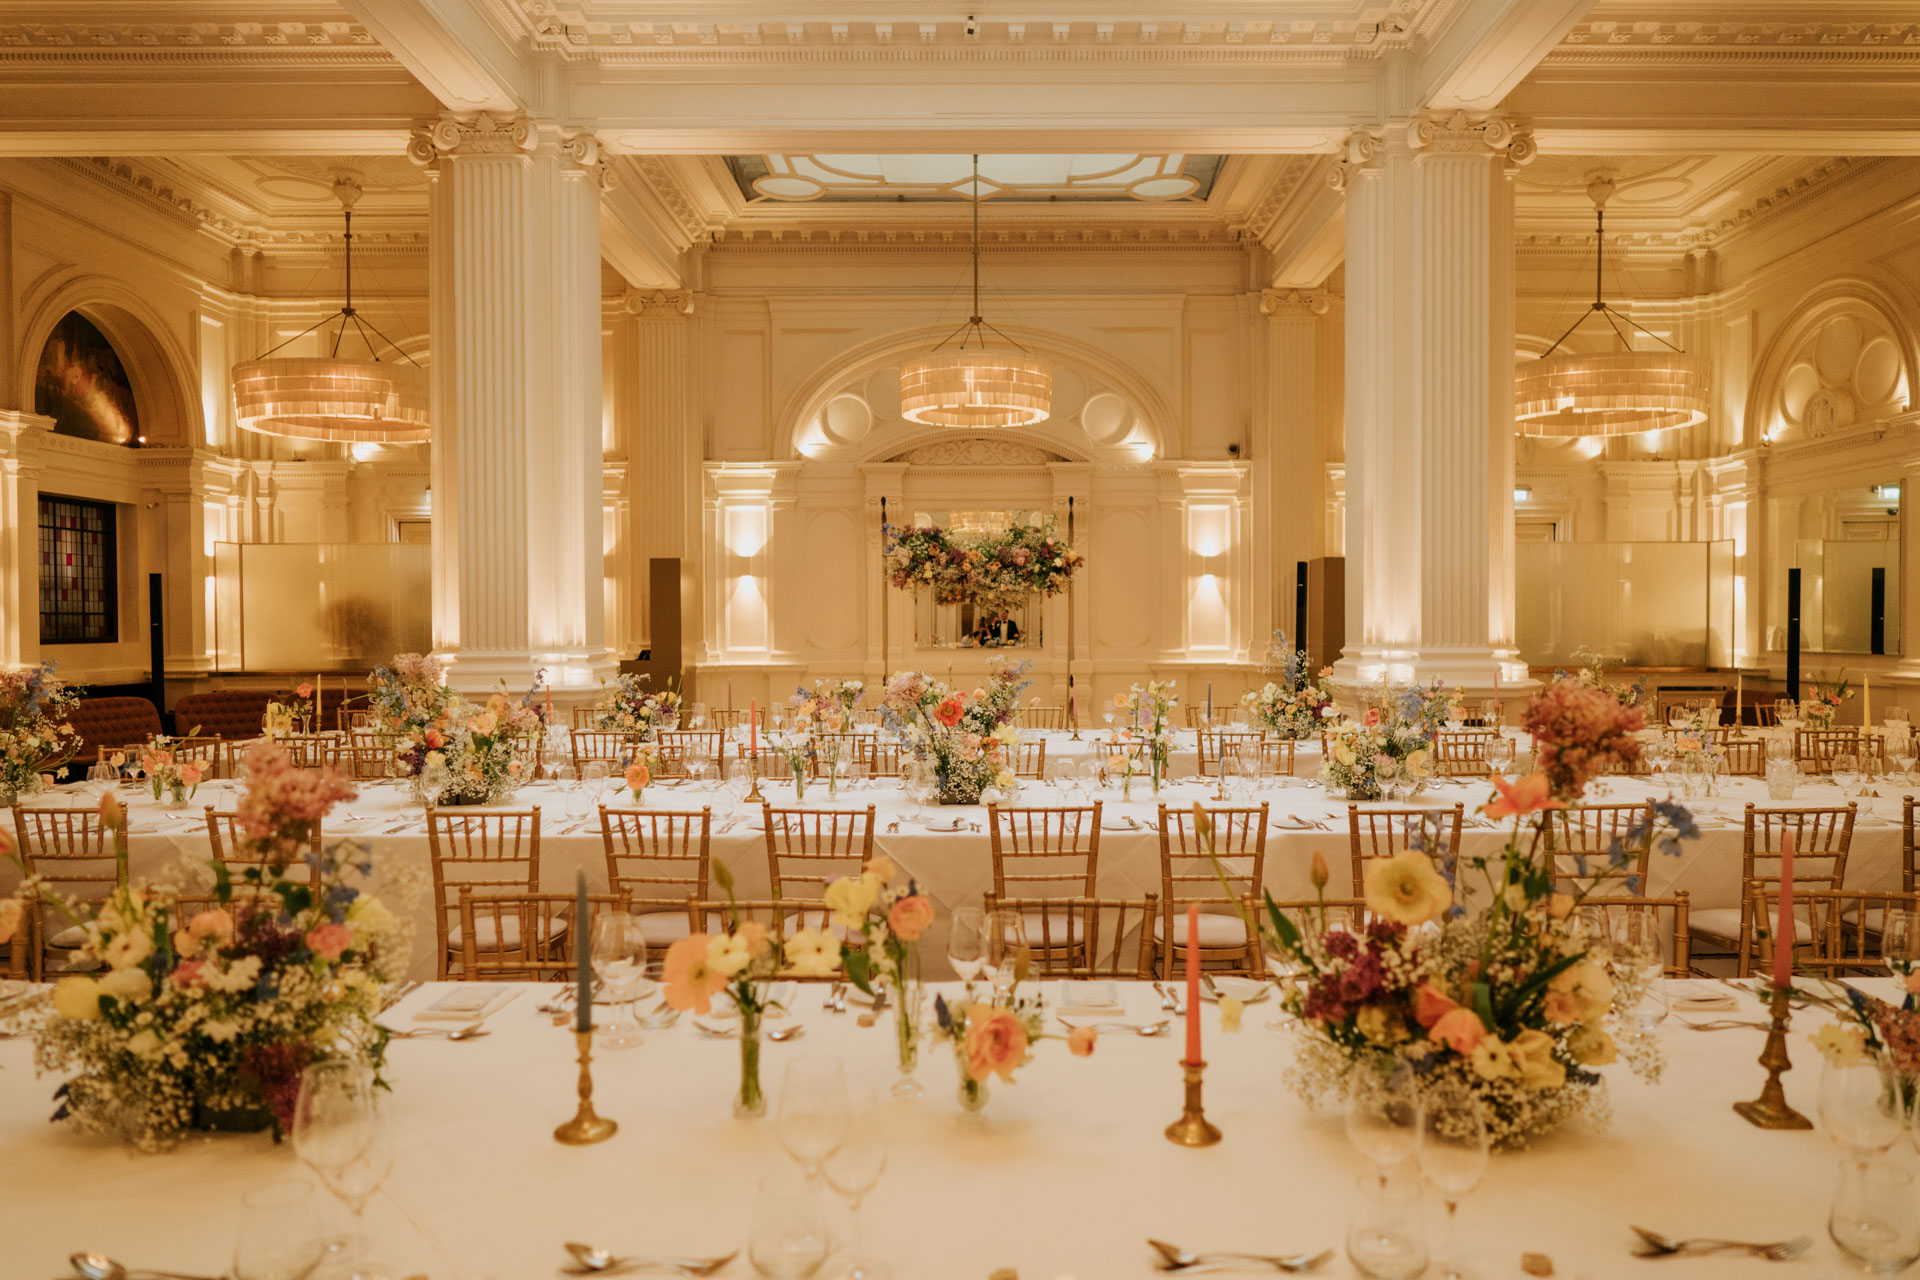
[
  {"x": 690, "y": 980},
  {"x": 1430, "y": 1004},
  {"x": 996, "y": 1043},
  {"x": 909, "y": 917},
  {"x": 11, "y": 911},
  {"x": 949, "y": 712},
  {"x": 1081, "y": 1040},
  {"x": 1529, "y": 795},
  {"x": 113, "y": 815},
  {"x": 638, "y": 776},
  {"x": 1460, "y": 1030}
]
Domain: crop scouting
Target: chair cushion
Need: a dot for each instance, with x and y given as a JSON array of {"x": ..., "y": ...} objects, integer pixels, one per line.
[
  {"x": 663, "y": 928},
  {"x": 1062, "y": 929},
  {"x": 1215, "y": 930},
  {"x": 1724, "y": 922},
  {"x": 507, "y": 938}
]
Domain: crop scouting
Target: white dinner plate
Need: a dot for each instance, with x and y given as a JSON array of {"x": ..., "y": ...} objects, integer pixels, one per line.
[
  {"x": 944, "y": 825},
  {"x": 1245, "y": 990},
  {"x": 1293, "y": 822},
  {"x": 1111, "y": 822}
]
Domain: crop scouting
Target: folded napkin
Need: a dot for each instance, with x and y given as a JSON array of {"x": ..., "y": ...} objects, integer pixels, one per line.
[
  {"x": 1698, "y": 997},
  {"x": 468, "y": 1003},
  {"x": 1089, "y": 1000}
]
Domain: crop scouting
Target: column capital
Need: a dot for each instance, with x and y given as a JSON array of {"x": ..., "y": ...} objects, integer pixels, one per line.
[
  {"x": 657, "y": 304},
  {"x": 1462, "y": 132},
  {"x": 582, "y": 154},
  {"x": 1362, "y": 152},
  {"x": 480, "y": 135},
  {"x": 1294, "y": 302}
]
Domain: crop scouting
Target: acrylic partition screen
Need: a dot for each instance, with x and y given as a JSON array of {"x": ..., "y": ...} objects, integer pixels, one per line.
[
  {"x": 1845, "y": 589},
  {"x": 298, "y": 606},
  {"x": 1641, "y": 604}
]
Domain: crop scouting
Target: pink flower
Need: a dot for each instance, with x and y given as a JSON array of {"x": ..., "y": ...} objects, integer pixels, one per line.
[
  {"x": 1081, "y": 1040},
  {"x": 215, "y": 924},
  {"x": 187, "y": 973},
  {"x": 690, "y": 980},
  {"x": 329, "y": 940},
  {"x": 996, "y": 1042},
  {"x": 909, "y": 917},
  {"x": 304, "y": 690},
  {"x": 1580, "y": 732},
  {"x": 1517, "y": 799},
  {"x": 190, "y": 773},
  {"x": 1372, "y": 717},
  {"x": 1459, "y": 1030}
]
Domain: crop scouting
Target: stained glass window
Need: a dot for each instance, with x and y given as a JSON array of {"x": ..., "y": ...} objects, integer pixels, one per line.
[{"x": 78, "y": 585}]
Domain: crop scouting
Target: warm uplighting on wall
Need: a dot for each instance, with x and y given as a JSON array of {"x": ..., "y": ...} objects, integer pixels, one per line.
[{"x": 746, "y": 530}]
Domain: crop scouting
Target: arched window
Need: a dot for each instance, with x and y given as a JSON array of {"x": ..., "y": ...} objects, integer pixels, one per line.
[{"x": 83, "y": 387}]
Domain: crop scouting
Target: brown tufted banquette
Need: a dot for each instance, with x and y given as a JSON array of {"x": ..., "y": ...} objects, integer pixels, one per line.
[{"x": 113, "y": 723}]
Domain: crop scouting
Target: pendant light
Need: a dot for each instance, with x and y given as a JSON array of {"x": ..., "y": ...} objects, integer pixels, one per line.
[
  {"x": 1610, "y": 393},
  {"x": 331, "y": 397},
  {"x": 975, "y": 384}
]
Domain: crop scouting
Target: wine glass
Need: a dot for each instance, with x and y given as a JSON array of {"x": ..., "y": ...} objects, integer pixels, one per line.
[
  {"x": 697, "y": 716},
  {"x": 789, "y": 1238},
  {"x": 339, "y": 1132},
  {"x": 433, "y": 780},
  {"x": 280, "y": 1236},
  {"x": 697, "y": 761},
  {"x": 1383, "y": 1116},
  {"x": 1900, "y": 941},
  {"x": 813, "y": 1111},
  {"x": 1387, "y": 1235},
  {"x": 1659, "y": 757},
  {"x": 1500, "y": 752},
  {"x": 1873, "y": 1218},
  {"x": 740, "y": 780},
  {"x": 1453, "y": 1154},
  {"x": 1635, "y": 955},
  {"x": 593, "y": 779},
  {"x": 1006, "y": 950},
  {"x": 619, "y": 953},
  {"x": 1845, "y": 769},
  {"x": 967, "y": 943},
  {"x": 853, "y": 1170},
  {"x": 1860, "y": 1108}
]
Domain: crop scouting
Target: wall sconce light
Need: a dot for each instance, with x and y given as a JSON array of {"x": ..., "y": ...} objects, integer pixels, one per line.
[{"x": 746, "y": 531}]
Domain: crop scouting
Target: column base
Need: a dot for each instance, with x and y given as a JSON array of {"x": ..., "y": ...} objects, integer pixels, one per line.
[{"x": 569, "y": 671}]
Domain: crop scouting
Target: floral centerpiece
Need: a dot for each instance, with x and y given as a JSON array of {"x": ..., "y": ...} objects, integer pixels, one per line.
[
  {"x": 410, "y": 699},
  {"x": 478, "y": 748},
  {"x": 1397, "y": 726},
  {"x": 1592, "y": 673},
  {"x": 889, "y": 920},
  {"x": 302, "y": 705},
  {"x": 36, "y": 742},
  {"x": 964, "y": 736},
  {"x": 820, "y": 717},
  {"x": 827, "y": 696},
  {"x": 1506, "y": 1001},
  {"x": 1142, "y": 740},
  {"x": 742, "y": 963},
  {"x": 997, "y": 569},
  {"x": 625, "y": 706},
  {"x": 174, "y": 781},
  {"x": 204, "y": 1016},
  {"x": 1818, "y": 707},
  {"x": 1294, "y": 703},
  {"x": 1868, "y": 1029},
  {"x": 995, "y": 1036}
]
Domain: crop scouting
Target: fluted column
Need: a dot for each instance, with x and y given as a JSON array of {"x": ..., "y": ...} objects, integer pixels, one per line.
[
  {"x": 20, "y": 537},
  {"x": 1429, "y": 354},
  {"x": 663, "y": 449},
  {"x": 1292, "y": 472},
  {"x": 514, "y": 262}
]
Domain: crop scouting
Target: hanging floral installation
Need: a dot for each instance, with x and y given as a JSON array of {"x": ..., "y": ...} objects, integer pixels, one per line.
[{"x": 994, "y": 570}]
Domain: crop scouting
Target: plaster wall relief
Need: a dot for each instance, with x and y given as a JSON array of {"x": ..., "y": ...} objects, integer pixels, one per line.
[{"x": 1845, "y": 369}]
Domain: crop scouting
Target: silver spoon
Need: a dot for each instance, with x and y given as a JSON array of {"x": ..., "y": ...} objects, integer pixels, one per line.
[
  {"x": 1139, "y": 1029},
  {"x": 473, "y": 1032},
  {"x": 97, "y": 1266},
  {"x": 777, "y": 1034},
  {"x": 599, "y": 1262},
  {"x": 1178, "y": 1259}
]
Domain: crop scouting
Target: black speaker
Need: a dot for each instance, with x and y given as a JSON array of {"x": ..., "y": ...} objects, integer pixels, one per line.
[
  {"x": 1300, "y": 604},
  {"x": 1877, "y": 620},
  {"x": 157, "y": 641},
  {"x": 1793, "y": 634}
]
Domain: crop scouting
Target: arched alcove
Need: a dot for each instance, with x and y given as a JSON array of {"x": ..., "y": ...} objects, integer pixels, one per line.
[
  {"x": 1848, "y": 356},
  {"x": 155, "y": 366}
]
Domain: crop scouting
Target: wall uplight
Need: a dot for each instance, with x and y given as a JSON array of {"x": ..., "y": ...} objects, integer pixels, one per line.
[{"x": 746, "y": 530}]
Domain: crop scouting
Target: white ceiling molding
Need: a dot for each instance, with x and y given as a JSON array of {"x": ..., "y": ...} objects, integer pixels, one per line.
[{"x": 453, "y": 49}]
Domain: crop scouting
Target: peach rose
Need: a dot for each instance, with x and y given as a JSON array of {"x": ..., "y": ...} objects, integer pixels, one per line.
[
  {"x": 996, "y": 1042},
  {"x": 909, "y": 917},
  {"x": 1081, "y": 1040},
  {"x": 1459, "y": 1030},
  {"x": 1430, "y": 1004},
  {"x": 305, "y": 689},
  {"x": 190, "y": 773},
  {"x": 329, "y": 940}
]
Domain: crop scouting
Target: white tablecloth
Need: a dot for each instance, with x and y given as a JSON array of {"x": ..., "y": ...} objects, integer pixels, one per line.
[{"x": 1067, "y": 1177}]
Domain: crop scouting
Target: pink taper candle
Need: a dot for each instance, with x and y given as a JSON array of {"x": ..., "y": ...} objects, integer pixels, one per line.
[
  {"x": 1783, "y": 930},
  {"x": 1193, "y": 984},
  {"x": 753, "y": 722}
]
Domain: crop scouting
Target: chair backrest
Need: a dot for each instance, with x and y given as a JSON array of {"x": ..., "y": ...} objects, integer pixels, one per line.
[
  {"x": 657, "y": 857},
  {"x": 1844, "y": 927},
  {"x": 1906, "y": 844},
  {"x": 1276, "y": 756},
  {"x": 1584, "y": 838},
  {"x": 1187, "y": 874},
  {"x": 807, "y": 848},
  {"x": 838, "y": 750},
  {"x": 306, "y": 750},
  {"x": 708, "y": 742},
  {"x": 1028, "y": 759},
  {"x": 524, "y": 934},
  {"x": 355, "y": 715},
  {"x": 1462, "y": 753},
  {"x": 1064, "y": 935},
  {"x": 769, "y": 763},
  {"x": 1215, "y": 743},
  {"x": 782, "y": 918},
  {"x": 613, "y": 748},
  {"x": 227, "y": 842},
  {"x": 498, "y": 850},
  {"x": 1743, "y": 757},
  {"x": 1822, "y": 839},
  {"x": 363, "y": 763},
  {"x": 1678, "y": 946},
  {"x": 372, "y": 735},
  {"x": 727, "y": 719},
  {"x": 1058, "y": 848},
  {"x": 209, "y": 753},
  {"x": 1713, "y": 737},
  {"x": 1382, "y": 833},
  {"x": 1820, "y": 746},
  {"x": 1043, "y": 717},
  {"x": 69, "y": 850},
  {"x": 882, "y": 757}
]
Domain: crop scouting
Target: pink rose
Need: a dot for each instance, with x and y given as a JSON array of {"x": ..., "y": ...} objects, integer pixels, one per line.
[
  {"x": 996, "y": 1043},
  {"x": 187, "y": 973},
  {"x": 305, "y": 690},
  {"x": 190, "y": 773},
  {"x": 1460, "y": 1030},
  {"x": 909, "y": 917},
  {"x": 1081, "y": 1040},
  {"x": 329, "y": 940}
]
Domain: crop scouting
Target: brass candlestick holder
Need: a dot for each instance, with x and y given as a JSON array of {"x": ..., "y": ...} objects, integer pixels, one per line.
[
  {"x": 1192, "y": 1128},
  {"x": 585, "y": 1127},
  {"x": 1770, "y": 1109},
  {"x": 753, "y": 771}
]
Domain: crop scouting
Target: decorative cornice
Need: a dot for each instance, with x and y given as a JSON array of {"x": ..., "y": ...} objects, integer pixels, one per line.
[
  {"x": 484, "y": 134},
  {"x": 662, "y": 181},
  {"x": 282, "y": 39},
  {"x": 1294, "y": 302},
  {"x": 977, "y": 451},
  {"x": 1649, "y": 30},
  {"x": 1000, "y": 239},
  {"x": 1280, "y": 190},
  {"x": 657, "y": 304}
]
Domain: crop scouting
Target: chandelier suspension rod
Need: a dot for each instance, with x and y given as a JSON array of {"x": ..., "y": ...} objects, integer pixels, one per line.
[
  {"x": 1599, "y": 300},
  {"x": 976, "y": 239}
]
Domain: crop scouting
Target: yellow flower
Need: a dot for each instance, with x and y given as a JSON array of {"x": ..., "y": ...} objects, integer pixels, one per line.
[
  {"x": 813, "y": 953},
  {"x": 1580, "y": 994},
  {"x": 1493, "y": 1059},
  {"x": 1230, "y": 1011},
  {"x": 1406, "y": 889},
  {"x": 1591, "y": 1047},
  {"x": 1416, "y": 764},
  {"x": 1381, "y": 1026},
  {"x": 881, "y": 868},
  {"x": 129, "y": 985},
  {"x": 850, "y": 898},
  {"x": 1842, "y": 1046},
  {"x": 727, "y": 954},
  {"x": 1533, "y": 1054},
  {"x": 78, "y": 998}
]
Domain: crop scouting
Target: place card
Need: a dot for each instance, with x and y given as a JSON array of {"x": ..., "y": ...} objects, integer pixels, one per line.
[{"x": 470, "y": 1002}]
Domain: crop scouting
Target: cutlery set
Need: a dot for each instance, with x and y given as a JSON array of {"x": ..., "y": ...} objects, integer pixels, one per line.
[{"x": 1655, "y": 1245}]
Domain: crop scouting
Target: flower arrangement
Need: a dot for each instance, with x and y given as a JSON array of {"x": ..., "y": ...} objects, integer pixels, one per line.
[
  {"x": 625, "y": 707},
  {"x": 1818, "y": 707},
  {"x": 965, "y": 736},
  {"x": 173, "y": 780},
  {"x": 826, "y": 711},
  {"x": 889, "y": 920},
  {"x": 410, "y": 699},
  {"x": 477, "y": 747},
  {"x": 742, "y": 962},
  {"x": 1142, "y": 741},
  {"x": 1507, "y": 1002},
  {"x": 1592, "y": 674},
  {"x": 302, "y": 704},
  {"x": 828, "y": 698},
  {"x": 36, "y": 742},
  {"x": 1579, "y": 735},
  {"x": 1293, "y": 704},
  {"x": 1398, "y": 725},
  {"x": 997, "y": 570},
  {"x": 995, "y": 1036},
  {"x": 204, "y": 1018}
]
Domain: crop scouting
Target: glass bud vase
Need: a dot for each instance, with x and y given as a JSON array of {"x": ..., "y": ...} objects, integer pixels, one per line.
[
  {"x": 906, "y": 1027},
  {"x": 751, "y": 1102}
]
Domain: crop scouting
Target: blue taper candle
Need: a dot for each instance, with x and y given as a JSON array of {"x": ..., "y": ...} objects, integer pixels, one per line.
[{"x": 583, "y": 959}]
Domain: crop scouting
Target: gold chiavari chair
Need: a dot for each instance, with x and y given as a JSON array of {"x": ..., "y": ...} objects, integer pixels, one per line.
[
  {"x": 227, "y": 842},
  {"x": 726, "y": 719},
  {"x": 363, "y": 764},
  {"x": 782, "y": 917},
  {"x": 1678, "y": 945},
  {"x": 1462, "y": 753},
  {"x": 838, "y": 751},
  {"x": 707, "y": 742},
  {"x": 1743, "y": 758},
  {"x": 1188, "y": 874},
  {"x": 371, "y": 735},
  {"x": 1715, "y": 737},
  {"x": 1276, "y": 756},
  {"x": 351, "y": 718},
  {"x": 809, "y": 848},
  {"x": 1826, "y": 942},
  {"x": 1382, "y": 833},
  {"x": 69, "y": 851},
  {"x": 776, "y": 765},
  {"x": 1873, "y": 922},
  {"x": 1028, "y": 760},
  {"x": 306, "y": 750},
  {"x": 1817, "y": 747},
  {"x": 497, "y": 851},
  {"x": 582, "y": 718},
  {"x": 1821, "y": 840},
  {"x": 14, "y": 956},
  {"x": 668, "y": 763},
  {"x": 659, "y": 858},
  {"x": 613, "y": 749},
  {"x": 1045, "y": 852},
  {"x": 1064, "y": 935},
  {"x": 1217, "y": 743},
  {"x": 882, "y": 758},
  {"x": 1039, "y": 718},
  {"x": 1196, "y": 716},
  {"x": 1306, "y": 914},
  {"x": 1584, "y": 838},
  {"x": 533, "y": 928}
]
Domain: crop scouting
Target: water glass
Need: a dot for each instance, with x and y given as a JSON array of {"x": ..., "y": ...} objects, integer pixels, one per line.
[
  {"x": 1860, "y": 1108},
  {"x": 853, "y": 1171},
  {"x": 1875, "y": 1217},
  {"x": 1847, "y": 774},
  {"x": 619, "y": 955},
  {"x": 1006, "y": 950},
  {"x": 1781, "y": 777},
  {"x": 1383, "y": 1116},
  {"x": 697, "y": 716},
  {"x": 1900, "y": 941},
  {"x": 813, "y": 1111},
  {"x": 1500, "y": 754},
  {"x": 967, "y": 942},
  {"x": 1453, "y": 1154},
  {"x": 340, "y": 1133},
  {"x": 739, "y": 780},
  {"x": 1387, "y": 1235},
  {"x": 789, "y": 1238},
  {"x": 280, "y": 1235},
  {"x": 1636, "y": 953}
]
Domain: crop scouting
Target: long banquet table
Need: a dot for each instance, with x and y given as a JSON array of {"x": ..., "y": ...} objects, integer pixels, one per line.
[
  {"x": 1066, "y": 1178},
  {"x": 955, "y": 868}
]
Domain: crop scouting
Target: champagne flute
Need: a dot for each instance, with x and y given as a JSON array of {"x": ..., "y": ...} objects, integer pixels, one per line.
[
  {"x": 339, "y": 1132},
  {"x": 1453, "y": 1155},
  {"x": 967, "y": 943},
  {"x": 853, "y": 1170},
  {"x": 697, "y": 716},
  {"x": 1384, "y": 1116},
  {"x": 619, "y": 955},
  {"x": 813, "y": 1111}
]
